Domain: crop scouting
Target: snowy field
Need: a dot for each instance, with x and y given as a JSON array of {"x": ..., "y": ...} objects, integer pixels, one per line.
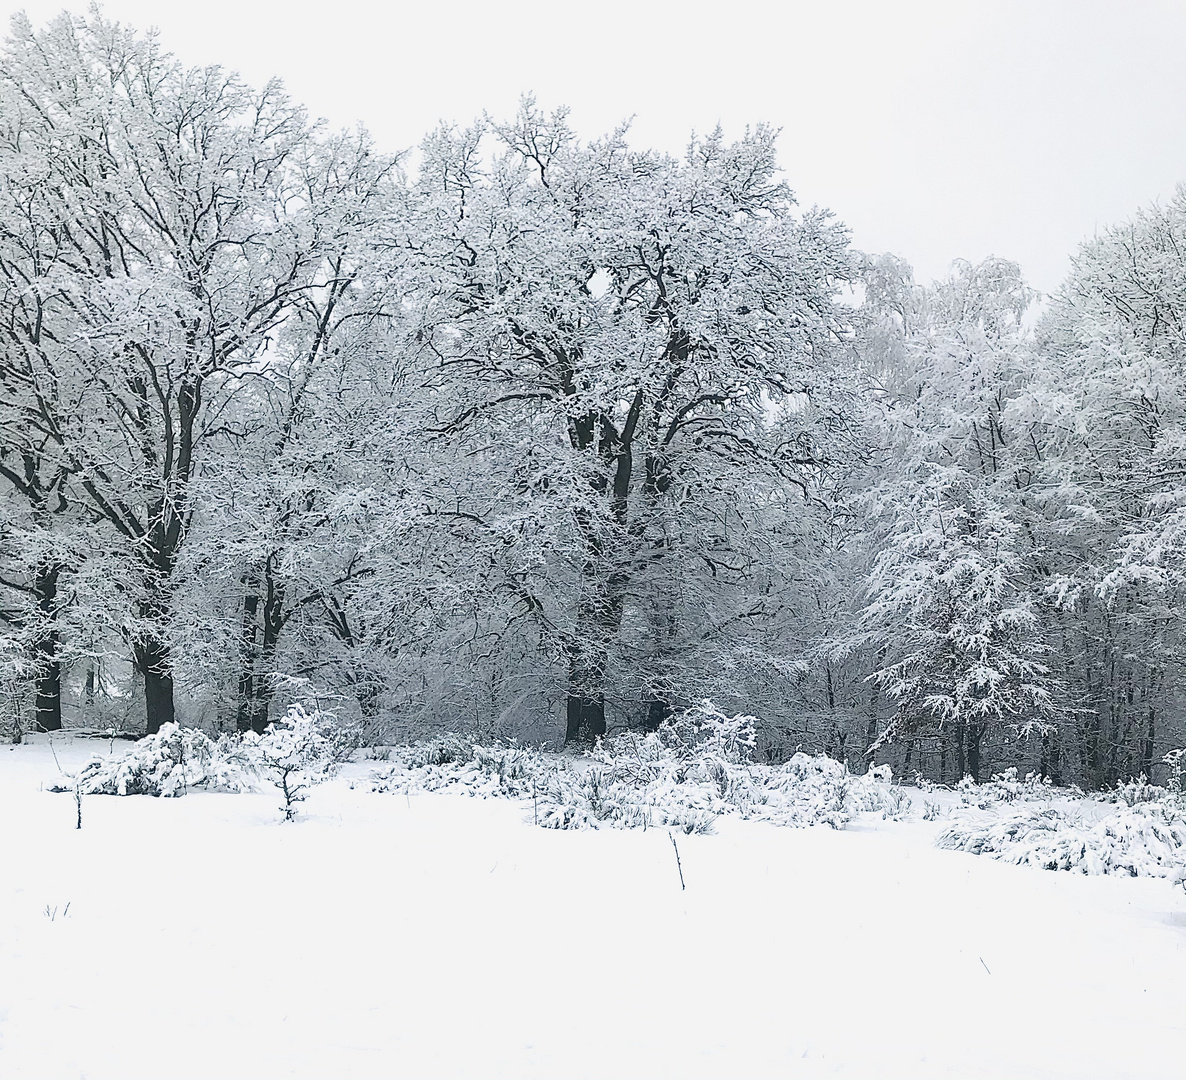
[{"x": 433, "y": 935}]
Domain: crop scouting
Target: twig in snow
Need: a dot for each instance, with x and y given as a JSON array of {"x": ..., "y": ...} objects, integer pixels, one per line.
[
  {"x": 983, "y": 964},
  {"x": 678, "y": 865}
]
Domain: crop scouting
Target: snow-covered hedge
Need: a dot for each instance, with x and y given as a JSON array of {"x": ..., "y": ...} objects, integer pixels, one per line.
[
  {"x": 694, "y": 769},
  {"x": 443, "y": 750},
  {"x": 1144, "y": 840}
]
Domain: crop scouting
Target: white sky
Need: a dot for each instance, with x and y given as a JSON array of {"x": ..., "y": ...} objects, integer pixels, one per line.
[{"x": 935, "y": 129}]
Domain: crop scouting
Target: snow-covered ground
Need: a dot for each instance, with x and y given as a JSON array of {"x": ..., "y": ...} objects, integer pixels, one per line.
[{"x": 434, "y": 935}]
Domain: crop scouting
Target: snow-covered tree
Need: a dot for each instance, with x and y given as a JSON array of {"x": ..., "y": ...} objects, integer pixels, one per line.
[
  {"x": 1108, "y": 409},
  {"x": 954, "y": 608},
  {"x": 633, "y": 346},
  {"x": 170, "y": 231}
]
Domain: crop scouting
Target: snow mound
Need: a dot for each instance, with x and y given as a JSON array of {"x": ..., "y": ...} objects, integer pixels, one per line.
[{"x": 1145, "y": 840}]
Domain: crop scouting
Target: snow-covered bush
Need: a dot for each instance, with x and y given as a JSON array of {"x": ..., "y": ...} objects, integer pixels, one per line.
[
  {"x": 687, "y": 774},
  {"x": 1176, "y": 760},
  {"x": 596, "y": 797},
  {"x": 927, "y": 785},
  {"x": 821, "y": 791},
  {"x": 442, "y": 750},
  {"x": 169, "y": 763},
  {"x": 509, "y": 771},
  {"x": 1145, "y": 840},
  {"x": 296, "y": 752},
  {"x": 704, "y": 732},
  {"x": 1135, "y": 792},
  {"x": 633, "y": 785},
  {"x": 1005, "y": 787}
]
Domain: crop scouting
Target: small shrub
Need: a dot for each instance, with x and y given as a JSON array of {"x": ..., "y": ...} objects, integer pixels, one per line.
[
  {"x": 1176, "y": 760},
  {"x": 296, "y": 752},
  {"x": 510, "y": 770}
]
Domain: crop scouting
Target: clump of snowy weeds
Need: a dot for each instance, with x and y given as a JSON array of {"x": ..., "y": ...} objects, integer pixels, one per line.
[
  {"x": 507, "y": 770},
  {"x": 1005, "y": 787},
  {"x": 1033, "y": 823},
  {"x": 695, "y": 768}
]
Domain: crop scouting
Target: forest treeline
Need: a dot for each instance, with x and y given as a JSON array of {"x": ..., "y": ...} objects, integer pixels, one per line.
[{"x": 522, "y": 435}]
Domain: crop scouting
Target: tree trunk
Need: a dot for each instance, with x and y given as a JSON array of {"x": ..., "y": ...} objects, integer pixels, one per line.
[
  {"x": 48, "y": 679},
  {"x": 975, "y": 735},
  {"x": 873, "y": 721},
  {"x": 658, "y": 710},
  {"x": 1150, "y": 740},
  {"x": 260, "y": 715},
  {"x": 599, "y": 620},
  {"x": 586, "y": 717},
  {"x": 1056, "y": 762},
  {"x": 254, "y": 706},
  {"x": 248, "y": 656},
  {"x": 48, "y": 702},
  {"x": 258, "y": 656},
  {"x": 154, "y": 663},
  {"x": 586, "y": 694}
]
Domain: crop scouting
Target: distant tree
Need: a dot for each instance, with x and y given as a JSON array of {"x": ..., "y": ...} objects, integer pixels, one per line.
[
  {"x": 1108, "y": 409},
  {"x": 954, "y": 605}
]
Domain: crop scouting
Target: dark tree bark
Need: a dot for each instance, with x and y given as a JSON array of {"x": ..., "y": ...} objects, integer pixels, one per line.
[
  {"x": 586, "y": 718},
  {"x": 1050, "y": 764},
  {"x": 249, "y": 652},
  {"x": 658, "y": 710},
  {"x": 262, "y": 625},
  {"x": 1150, "y": 741},
  {"x": 155, "y": 665},
  {"x": 48, "y": 680},
  {"x": 975, "y": 734}
]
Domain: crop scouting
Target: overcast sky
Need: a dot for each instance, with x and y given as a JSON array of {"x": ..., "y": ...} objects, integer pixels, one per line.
[{"x": 936, "y": 130}]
